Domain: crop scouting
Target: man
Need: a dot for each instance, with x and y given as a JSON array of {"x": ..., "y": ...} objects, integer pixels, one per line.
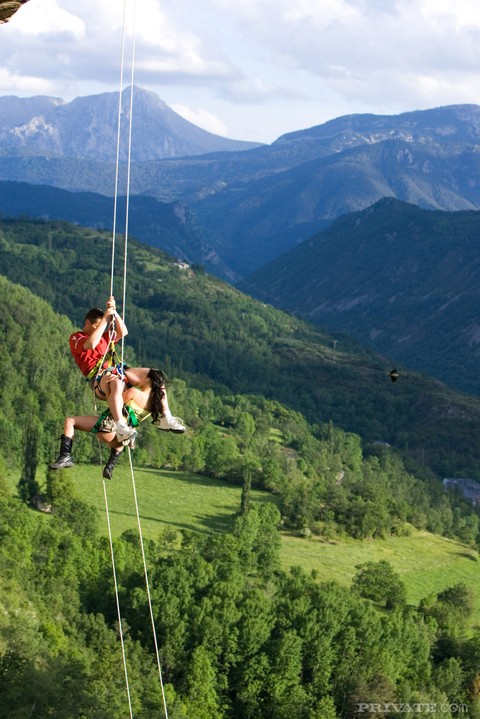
[{"x": 90, "y": 348}]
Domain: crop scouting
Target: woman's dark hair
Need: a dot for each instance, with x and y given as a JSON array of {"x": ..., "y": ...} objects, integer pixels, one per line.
[{"x": 158, "y": 379}]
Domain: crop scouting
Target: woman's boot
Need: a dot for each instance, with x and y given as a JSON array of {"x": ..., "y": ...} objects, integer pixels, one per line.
[
  {"x": 65, "y": 458},
  {"x": 112, "y": 461}
]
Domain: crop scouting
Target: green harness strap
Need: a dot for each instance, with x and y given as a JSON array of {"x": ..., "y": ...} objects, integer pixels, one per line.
[
  {"x": 94, "y": 371},
  {"x": 132, "y": 419},
  {"x": 110, "y": 359}
]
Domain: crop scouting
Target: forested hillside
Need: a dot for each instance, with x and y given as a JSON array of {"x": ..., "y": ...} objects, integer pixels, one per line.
[
  {"x": 326, "y": 482},
  {"x": 401, "y": 280},
  {"x": 37, "y": 376},
  {"x": 167, "y": 225},
  {"x": 204, "y": 331},
  {"x": 239, "y": 638}
]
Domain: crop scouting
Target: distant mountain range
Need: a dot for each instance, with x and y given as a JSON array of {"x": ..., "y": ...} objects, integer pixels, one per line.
[
  {"x": 86, "y": 128},
  {"x": 249, "y": 205},
  {"x": 402, "y": 280}
]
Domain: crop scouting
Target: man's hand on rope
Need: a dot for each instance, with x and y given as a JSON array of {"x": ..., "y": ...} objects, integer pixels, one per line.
[{"x": 111, "y": 308}]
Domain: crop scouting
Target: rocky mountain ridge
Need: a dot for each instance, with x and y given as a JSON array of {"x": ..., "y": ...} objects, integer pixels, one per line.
[
  {"x": 86, "y": 128},
  {"x": 253, "y": 205},
  {"x": 449, "y": 124}
]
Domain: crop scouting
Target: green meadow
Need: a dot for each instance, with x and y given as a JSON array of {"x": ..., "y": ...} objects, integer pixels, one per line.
[
  {"x": 175, "y": 500},
  {"x": 426, "y": 562}
]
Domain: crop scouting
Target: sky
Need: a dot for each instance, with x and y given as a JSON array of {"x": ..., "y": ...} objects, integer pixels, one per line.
[{"x": 250, "y": 69}]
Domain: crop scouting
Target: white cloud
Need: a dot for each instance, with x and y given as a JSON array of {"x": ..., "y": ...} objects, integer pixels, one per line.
[
  {"x": 282, "y": 62},
  {"x": 44, "y": 17},
  {"x": 254, "y": 90},
  {"x": 25, "y": 85},
  {"x": 202, "y": 118}
]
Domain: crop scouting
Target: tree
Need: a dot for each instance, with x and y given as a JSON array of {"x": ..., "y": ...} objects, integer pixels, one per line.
[
  {"x": 247, "y": 471},
  {"x": 449, "y": 678},
  {"x": 259, "y": 540},
  {"x": 451, "y": 608},
  {"x": 245, "y": 428},
  {"x": 28, "y": 486},
  {"x": 379, "y": 582},
  {"x": 201, "y": 699},
  {"x": 460, "y": 599},
  {"x": 221, "y": 453},
  {"x": 287, "y": 699}
]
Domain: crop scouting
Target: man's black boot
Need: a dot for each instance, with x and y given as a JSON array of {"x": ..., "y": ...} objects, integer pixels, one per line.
[
  {"x": 65, "y": 458},
  {"x": 110, "y": 466}
]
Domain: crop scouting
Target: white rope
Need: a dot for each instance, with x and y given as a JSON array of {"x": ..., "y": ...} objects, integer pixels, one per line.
[
  {"x": 129, "y": 163},
  {"x": 117, "y": 160},
  {"x": 120, "y": 627},
  {"x": 147, "y": 585},
  {"x": 114, "y": 231},
  {"x": 127, "y": 209}
]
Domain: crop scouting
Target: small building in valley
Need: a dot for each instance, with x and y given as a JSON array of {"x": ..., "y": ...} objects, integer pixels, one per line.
[{"x": 470, "y": 488}]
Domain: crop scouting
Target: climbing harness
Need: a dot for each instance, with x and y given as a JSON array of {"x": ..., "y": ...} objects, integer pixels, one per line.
[
  {"x": 106, "y": 423},
  {"x": 110, "y": 362}
]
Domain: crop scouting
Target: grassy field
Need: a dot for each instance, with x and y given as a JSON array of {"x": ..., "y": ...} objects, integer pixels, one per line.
[
  {"x": 165, "y": 499},
  {"x": 427, "y": 563}
]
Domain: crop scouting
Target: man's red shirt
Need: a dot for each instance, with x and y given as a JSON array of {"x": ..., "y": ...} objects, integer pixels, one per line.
[{"x": 86, "y": 359}]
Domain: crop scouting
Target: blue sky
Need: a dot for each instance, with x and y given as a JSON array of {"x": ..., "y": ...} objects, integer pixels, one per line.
[{"x": 251, "y": 69}]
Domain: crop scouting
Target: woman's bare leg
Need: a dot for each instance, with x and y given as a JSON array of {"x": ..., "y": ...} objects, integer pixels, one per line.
[{"x": 83, "y": 424}]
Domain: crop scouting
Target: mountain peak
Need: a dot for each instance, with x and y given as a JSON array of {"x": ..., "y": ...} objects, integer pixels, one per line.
[{"x": 86, "y": 128}]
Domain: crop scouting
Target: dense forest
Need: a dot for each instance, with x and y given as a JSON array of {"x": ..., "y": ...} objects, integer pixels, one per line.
[
  {"x": 203, "y": 331},
  {"x": 239, "y": 637}
]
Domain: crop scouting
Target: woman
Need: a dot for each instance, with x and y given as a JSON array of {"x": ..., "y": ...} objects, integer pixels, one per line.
[{"x": 145, "y": 397}]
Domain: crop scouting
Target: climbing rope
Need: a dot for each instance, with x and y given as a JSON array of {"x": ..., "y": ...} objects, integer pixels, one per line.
[
  {"x": 112, "y": 330},
  {"x": 129, "y": 163},
  {"x": 147, "y": 585},
  {"x": 119, "y": 615},
  {"x": 117, "y": 159}
]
